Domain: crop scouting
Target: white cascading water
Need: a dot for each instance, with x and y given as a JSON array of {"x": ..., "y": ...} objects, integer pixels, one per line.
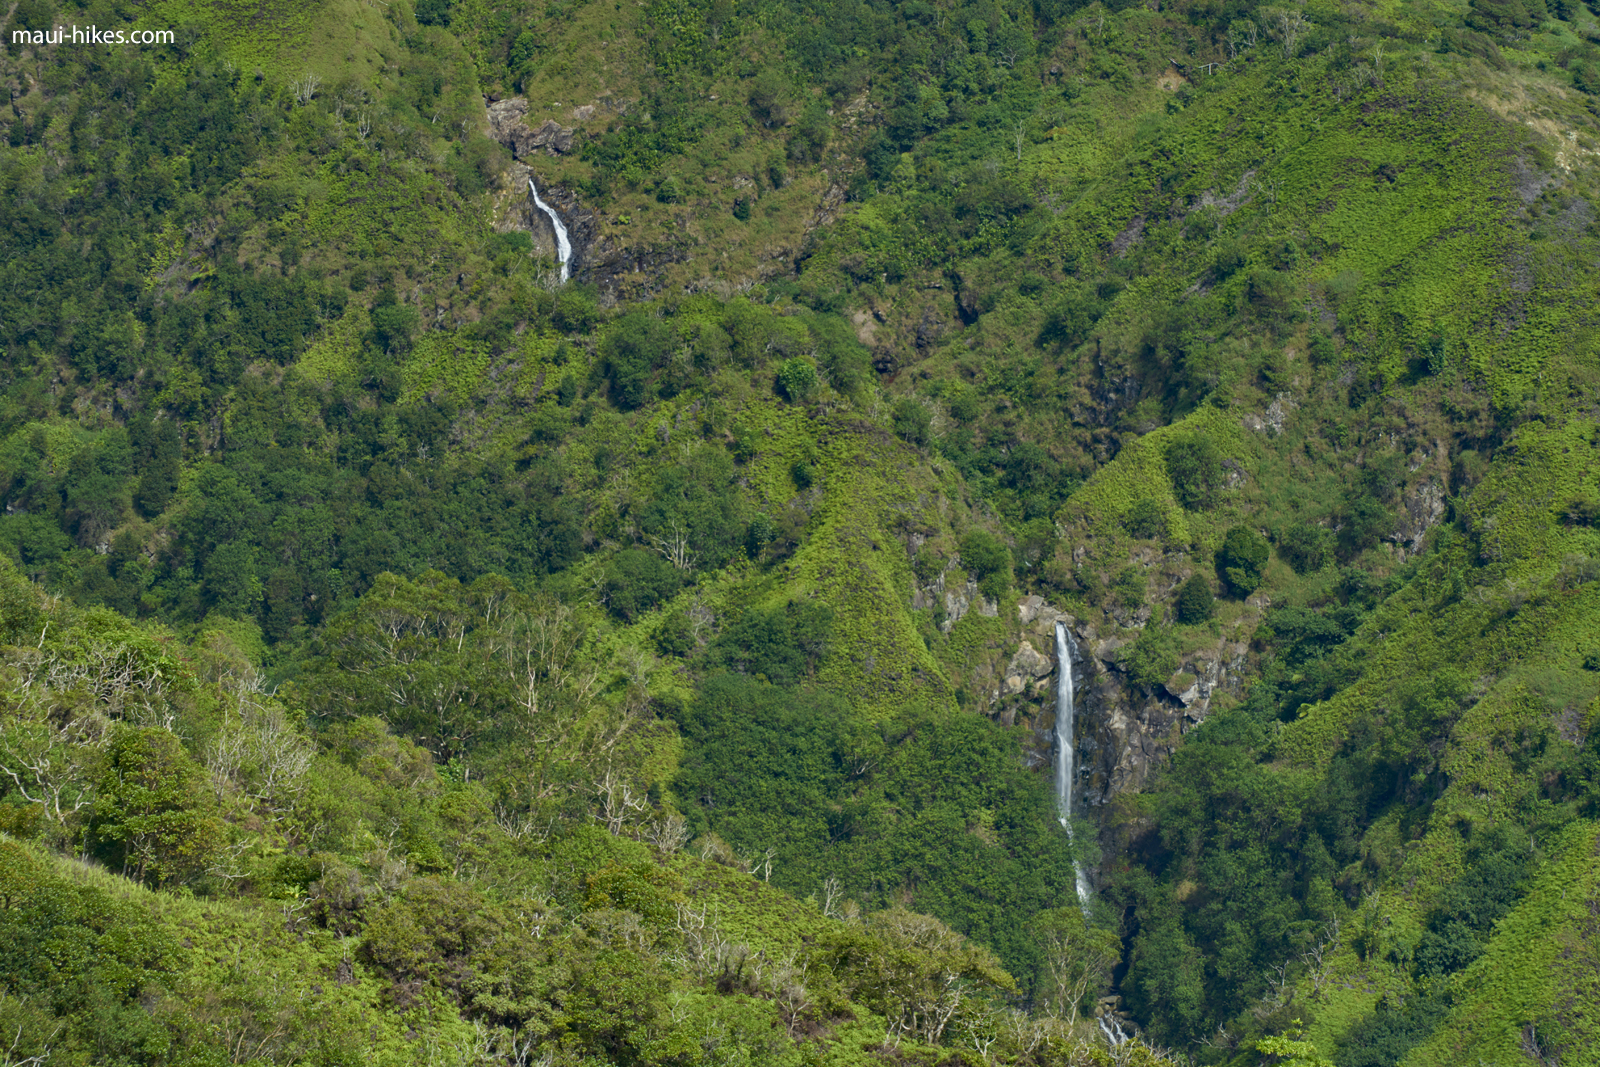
[
  {"x": 1111, "y": 1026},
  {"x": 1065, "y": 750},
  {"x": 563, "y": 242}
]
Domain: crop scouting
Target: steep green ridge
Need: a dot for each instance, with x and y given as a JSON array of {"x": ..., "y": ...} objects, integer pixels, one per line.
[{"x": 416, "y": 610}]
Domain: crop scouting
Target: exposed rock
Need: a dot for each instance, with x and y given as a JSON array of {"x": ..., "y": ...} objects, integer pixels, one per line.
[
  {"x": 515, "y": 210},
  {"x": 1278, "y": 411},
  {"x": 929, "y": 330},
  {"x": 508, "y": 124},
  {"x": 1124, "y": 734},
  {"x": 1227, "y": 205},
  {"x": 956, "y": 601},
  {"x": 967, "y": 305},
  {"x": 1422, "y": 507},
  {"x": 1131, "y": 235},
  {"x": 1025, "y": 666}
]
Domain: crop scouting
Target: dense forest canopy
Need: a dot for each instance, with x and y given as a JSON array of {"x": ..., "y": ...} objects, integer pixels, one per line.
[{"x": 409, "y": 656}]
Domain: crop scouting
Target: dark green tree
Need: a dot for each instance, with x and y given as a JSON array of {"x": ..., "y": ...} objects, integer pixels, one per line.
[
  {"x": 1242, "y": 560},
  {"x": 1195, "y": 467},
  {"x": 1194, "y": 603}
]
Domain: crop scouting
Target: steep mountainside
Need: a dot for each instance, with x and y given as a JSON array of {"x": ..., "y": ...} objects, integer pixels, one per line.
[{"x": 410, "y": 655}]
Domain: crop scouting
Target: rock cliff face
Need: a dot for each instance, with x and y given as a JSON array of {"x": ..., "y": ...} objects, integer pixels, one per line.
[
  {"x": 508, "y": 124},
  {"x": 956, "y": 598},
  {"x": 1124, "y": 734}
]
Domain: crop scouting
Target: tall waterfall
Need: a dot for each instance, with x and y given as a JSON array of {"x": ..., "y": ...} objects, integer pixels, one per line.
[
  {"x": 563, "y": 242},
  {"x": 1065, "y": 749}
]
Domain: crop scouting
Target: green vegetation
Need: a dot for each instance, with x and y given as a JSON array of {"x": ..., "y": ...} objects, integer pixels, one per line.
[{"x": 405, "y": 657}]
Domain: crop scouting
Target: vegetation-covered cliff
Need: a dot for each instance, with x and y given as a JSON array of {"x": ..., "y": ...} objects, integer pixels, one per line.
[{"x": 411, "y": 657}]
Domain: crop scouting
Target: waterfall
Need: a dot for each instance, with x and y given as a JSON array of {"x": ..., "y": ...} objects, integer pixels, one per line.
[
  {"x": 1065, "y": 750},
  {"x": 563, "y": 242},
  {"x": 1111, "y": 1026}
]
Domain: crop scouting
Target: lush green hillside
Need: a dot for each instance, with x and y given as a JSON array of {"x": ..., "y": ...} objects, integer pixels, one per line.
[{"x": 411, "y": 658}]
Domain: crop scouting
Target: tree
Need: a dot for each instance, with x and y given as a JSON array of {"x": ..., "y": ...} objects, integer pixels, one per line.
[
  {"x": 914, "y": 970},
  {"x": 1078, "y": 958},
  {"x": 912, "y": 421},
  {"x": 1287, "y": 26},
  {"x": 402, "y": 654},
  {"x": 152, "y": 810},
  {"x": 633, "y": 347},
  {"x": 1194, "y": 603},
  {"x": 1292, "y": 1050},
  {"x": 1195, "y": 467},
  {"x": 637, "y": 581},
  {"x": 1243, "y": 560}
]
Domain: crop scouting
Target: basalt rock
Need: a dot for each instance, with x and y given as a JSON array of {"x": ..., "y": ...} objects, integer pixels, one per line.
[
  {"x": 1124, "y": 732},
  {"x": 509, "y": 124},
  {"x": 515, "y": 210}
]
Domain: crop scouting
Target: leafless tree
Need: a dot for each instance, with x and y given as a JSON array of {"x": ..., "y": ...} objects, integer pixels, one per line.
[
  {"x": 832, "y": 893},
  {"x": 305, "y": 87},
  {"x": 674, "y": 545},
  {"x": 668, "y": 834},
  {"x": 1288, "y": 25},
  {"x": 620, "y": 805},
  {"x": 1241, "y": 36},
  {"x": 1319, "y": 956}
]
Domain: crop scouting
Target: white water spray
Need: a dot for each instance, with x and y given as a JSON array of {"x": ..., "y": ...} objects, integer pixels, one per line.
[
  {"x": 1065, "y": 750},
  {"x": 563, "y": 242},
  {"x": 1111, "y": 1026}
]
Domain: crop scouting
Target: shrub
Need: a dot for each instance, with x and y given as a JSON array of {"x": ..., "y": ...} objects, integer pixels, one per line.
[
  {"x": 1130, "y": 587},
  {"x": 797, "y": 379},
  {"x": 1321, "y": 349},
  {"x": 1231, "y": 256},
  {"x": 1194, "y": 603},
  {"x": 912, "y": 422},
  {"x": 1243, "y": 560},
  {"x": 1147, "y": 519},
  {"x": 983, "y": 554},
  {"x": 1152, "y": 658},
  {"x": 1362, "y": 523},
  {"x": 964, "y": 405},
  {"x": 1195, "y": 467},
  {"x": 675, "y": 636},
  {"x": 761, "y": 532},
  {"x": 1306, "y": 547}
]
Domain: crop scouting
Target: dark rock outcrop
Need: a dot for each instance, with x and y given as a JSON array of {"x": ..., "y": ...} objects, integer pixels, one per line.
[{"x": 508, "y": 124}]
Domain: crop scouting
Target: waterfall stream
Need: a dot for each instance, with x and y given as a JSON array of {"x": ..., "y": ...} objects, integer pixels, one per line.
[
  {"x": 1065, "y": 749},
  {"x": 1111, "y": 1026},
  {"x": 563, "y": 242}
]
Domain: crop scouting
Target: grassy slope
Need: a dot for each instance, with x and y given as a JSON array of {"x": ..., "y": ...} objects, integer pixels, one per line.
[
  {"x": 1405, "y": 194},
  {"x": 1432, "y": 255}
]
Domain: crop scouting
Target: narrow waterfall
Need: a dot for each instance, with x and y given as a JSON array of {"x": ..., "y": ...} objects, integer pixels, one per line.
[
  {"x": 1065, "y": 749},
  {"x": 563, "y": 242},
  {"x": 1111, "y": 1026}
]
